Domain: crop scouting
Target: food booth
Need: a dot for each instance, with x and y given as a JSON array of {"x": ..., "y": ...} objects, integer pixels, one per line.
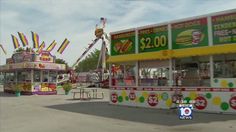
[
  {"x": 34, "y": 73},
  {"x": 195, "y": 57}
]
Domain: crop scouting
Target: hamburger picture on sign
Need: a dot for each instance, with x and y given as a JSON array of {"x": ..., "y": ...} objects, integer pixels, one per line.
[{"x": 188, "y": 34}]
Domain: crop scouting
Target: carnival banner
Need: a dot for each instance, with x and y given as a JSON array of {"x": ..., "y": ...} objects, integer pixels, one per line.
[
  {"x": 23, "y": 39},
  {"x": 41, "y": 47},
  {"x": 51, "y": 46},
  {"x": 63, "y": 46},
  {"x": 15, "y": 42},
  {"x": 35, "y": 38},
  {"x": 4, "y": 51}
]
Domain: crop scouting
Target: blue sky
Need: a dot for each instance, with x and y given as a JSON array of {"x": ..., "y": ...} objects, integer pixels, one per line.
[{"x": 76, "y": 19}]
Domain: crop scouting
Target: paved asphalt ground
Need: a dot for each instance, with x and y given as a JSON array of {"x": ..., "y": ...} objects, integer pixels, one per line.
[{"x": 59, "y": 113}]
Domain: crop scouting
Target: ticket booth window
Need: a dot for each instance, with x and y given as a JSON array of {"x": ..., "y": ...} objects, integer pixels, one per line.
[{"x": 37, "y": 76}]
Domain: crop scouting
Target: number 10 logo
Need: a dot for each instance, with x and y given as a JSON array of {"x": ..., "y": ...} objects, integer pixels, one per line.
[{"x": 185, "y": 111}]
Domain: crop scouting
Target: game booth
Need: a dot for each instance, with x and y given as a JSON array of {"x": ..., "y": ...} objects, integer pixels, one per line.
[
  {"x": 34, "y": 73},
  {"x": 191, "y": 59}
]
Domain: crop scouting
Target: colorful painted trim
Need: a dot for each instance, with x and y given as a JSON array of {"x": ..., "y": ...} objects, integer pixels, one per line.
[{"x": 180, "y": 89}]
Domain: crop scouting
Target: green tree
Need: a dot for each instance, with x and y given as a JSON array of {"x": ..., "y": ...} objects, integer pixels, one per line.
[
  {"x": 19, "y": 50},
  {"x": 89, "y": 63},
  {"x": 61, "y": 61}
]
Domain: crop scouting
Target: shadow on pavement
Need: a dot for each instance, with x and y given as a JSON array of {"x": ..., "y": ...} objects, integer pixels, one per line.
[{"x": 143, "y": 115}]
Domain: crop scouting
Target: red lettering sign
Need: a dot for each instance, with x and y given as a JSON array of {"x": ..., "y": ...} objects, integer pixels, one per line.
[
  {"x": 201, "y": 103},
  {"x": 232, "y": 102},
  {"x": 152, "y": 99},
  {"x": 114, "y": 98},
  {"x": 132, "y": 95}
]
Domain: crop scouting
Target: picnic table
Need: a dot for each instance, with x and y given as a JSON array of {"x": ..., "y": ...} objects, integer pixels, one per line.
[
  {"x": 85, "y": 93},
  {"x": 82, "y": 93},
  {"x": 95, "y": 93}
]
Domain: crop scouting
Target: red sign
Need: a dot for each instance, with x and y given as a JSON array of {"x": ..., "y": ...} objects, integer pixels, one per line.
[
  {"x": 41, "y": 65},
  {"x": 114, "y": 98},
  {"x": 232, "y": 102},
  {"x": 132, "y": 95},
  {"x": 152, "y": 99},
  {"x": 190, "y": 23},
  {"x": 44, "y": 56},
  {"x": 201, "y": 103}
]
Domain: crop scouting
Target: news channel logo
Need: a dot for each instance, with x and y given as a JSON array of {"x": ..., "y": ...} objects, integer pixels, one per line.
[{"x": 185, "y": 111}]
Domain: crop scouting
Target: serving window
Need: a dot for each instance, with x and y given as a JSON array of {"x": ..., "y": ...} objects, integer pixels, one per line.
[
  {"x": 45, "y": 76},
  {"x": 52, "y": 76},
  {"x": 192, "y": 71},
  {"x": 123, "y": 74},
  {"x": 24, "y": 76},
  {"x": 1, "y": 77},
  {"x": 153, "y": 73},
  {"x": 10, "y": 77},
  {"x": 37, "y": 76},
  {"x": 225, "y": 66}
]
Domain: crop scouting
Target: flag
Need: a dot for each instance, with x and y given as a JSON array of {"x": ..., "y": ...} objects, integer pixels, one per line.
[
  {"x": 15, "y": 42},
  {"x": 4, "y": 51},
  {"x": 51, "y": 46},
  {"x": 41, "y": 47},
  {"x": 63, "y": 46},
  {"x": 103, "y": 21},
  {"x": 23, "y": 39},
  {"x": 35, "y": 38}
]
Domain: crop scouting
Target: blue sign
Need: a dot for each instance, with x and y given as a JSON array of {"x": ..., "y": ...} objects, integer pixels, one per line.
[{"x": 185, "y": 111}]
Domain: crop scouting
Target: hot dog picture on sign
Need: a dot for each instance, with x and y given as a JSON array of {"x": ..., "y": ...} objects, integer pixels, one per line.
[{"x": 123, "y": 43}]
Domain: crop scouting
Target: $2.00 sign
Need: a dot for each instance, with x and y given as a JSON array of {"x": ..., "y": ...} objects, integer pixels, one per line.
[{"x": 153, "y": 39}]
